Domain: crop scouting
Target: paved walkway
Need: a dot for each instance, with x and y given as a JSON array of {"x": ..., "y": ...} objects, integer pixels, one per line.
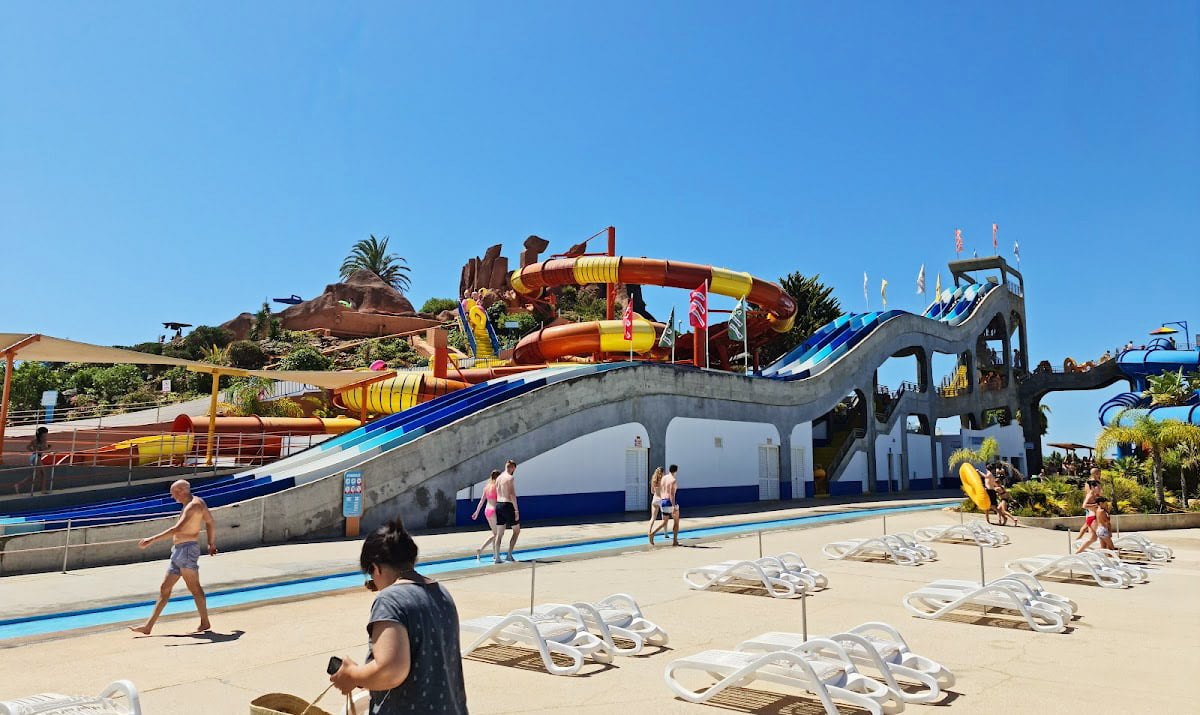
[
  {"x": 1130, "y": 651},
  {"x": 46, "y": 593}
]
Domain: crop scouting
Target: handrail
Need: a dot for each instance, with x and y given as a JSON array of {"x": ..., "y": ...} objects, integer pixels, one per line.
[{"x": 851, "y": 437}]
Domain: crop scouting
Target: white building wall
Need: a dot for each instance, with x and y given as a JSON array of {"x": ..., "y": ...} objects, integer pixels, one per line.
[
  {"x": 1009, "y": 438},
  {"x": 802, "y": 438},
  {"x": 693, "y": 445},
  {"x": 918, "y": 457},
  {"x": 855, "y": 471},
  {"x": 592, "y": 463},
  {"x": 883, "y": 442}
]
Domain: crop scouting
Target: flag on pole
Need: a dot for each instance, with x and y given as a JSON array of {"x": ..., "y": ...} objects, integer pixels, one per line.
[
  {"x": 937, "y": 289},
  {"x": 995, "y": 246},
  {"x": 883, "y": 291},
  {"x": 921, "y": 280},
  {"x": 974, "y": 253},
  {"x": 698, "y": 310},
  {"x": 1017, "y": 253},
  {"x": 958, "y": 242},
  {"x": 668, "y": 337},
  {"x": 627, "y": 321},
  {"x": 865, "y": 296},
  {"x": 737, "y": 321}
]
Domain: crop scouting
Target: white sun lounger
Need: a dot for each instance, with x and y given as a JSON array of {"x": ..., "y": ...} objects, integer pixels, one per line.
[
  {"x": 970, "y": 532},
  {"x": 1025, "y": 586},
  {"x": 1138, "y": 544},
  {"x": 766, "y": 573},
  {"x": 871, "y": 547},
  {"x": 907, "y": 541},
  {"x": 791, "y": 563},
  {"x": 617, "y": 615},
  {"x": 1112, "y": 559},
  {"x": 558, "y": 630},
  {"x": 54, "y": 704},
  {"x": 821, "y": 667},
  {"x": 934, "y": 601},
  {"x": 877, "y": 646},
  {"x": 1060, "y": 564}
]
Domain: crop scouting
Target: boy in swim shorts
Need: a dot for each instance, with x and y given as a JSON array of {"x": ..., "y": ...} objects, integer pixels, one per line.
[{"x": 1104, "y": 524}]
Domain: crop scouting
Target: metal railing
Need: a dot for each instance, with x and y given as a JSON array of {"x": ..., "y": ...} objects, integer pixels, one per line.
[
  {"x": 91, "y": 459},
  {"x": 17, "y": 418}
]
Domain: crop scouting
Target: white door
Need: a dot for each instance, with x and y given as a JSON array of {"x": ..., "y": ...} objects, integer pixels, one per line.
[
  {"x": 637, "y": 480},
  {"x": 799, "y": 472},
  {"x": 768, "y": 472}
]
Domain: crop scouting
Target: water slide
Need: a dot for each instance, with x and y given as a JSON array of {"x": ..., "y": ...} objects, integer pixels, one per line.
[
  {"x": 1155, "y": 359},
  {"x": 607, "y": 336},
  {"x": 818, "y": 356}
]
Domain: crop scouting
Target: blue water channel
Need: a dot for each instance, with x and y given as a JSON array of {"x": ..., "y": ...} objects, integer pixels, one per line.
[{"x": 130, "y": 612}]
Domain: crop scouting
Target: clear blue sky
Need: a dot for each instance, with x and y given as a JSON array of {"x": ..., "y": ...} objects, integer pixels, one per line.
[{"x": 163, "y": 162}]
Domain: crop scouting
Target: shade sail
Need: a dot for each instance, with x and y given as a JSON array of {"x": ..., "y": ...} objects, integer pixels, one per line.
[
  {"x": 50, "y": 349},
  {"x": 1164, "y": 330}
]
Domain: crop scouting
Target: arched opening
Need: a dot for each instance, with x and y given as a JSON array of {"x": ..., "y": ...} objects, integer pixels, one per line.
[
  {"x": 917, "y": 424},
  {"x": 1015, "y": 342},
  {"x": 897, "y": 375},
  {"x": 991, "y": 350},
  {"x": 952, "y": 373},
  {"x": 833, "y": 435},
  {"x": 997, "y": 416}
]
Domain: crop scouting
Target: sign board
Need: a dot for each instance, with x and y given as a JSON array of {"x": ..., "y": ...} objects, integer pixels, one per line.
[
  {"x": 1029, "y": 446},
  {"x": 49, "y": 398},
  {"x": 166, "y": 386},
  {"x": 511, "y": 325},
  {"x": 352, "y": 488}
]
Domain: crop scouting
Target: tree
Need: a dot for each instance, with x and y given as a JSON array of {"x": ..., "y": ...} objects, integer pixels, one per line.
[
  {"x": 1169, "y": 389},
  {"x": 1189, "y": 459},
  {"x": 986, "y": 453},
  {"x": 371, "y": 255},
  {"x": 266, "y": 325},
  {"x": 1043, "y": 420},
  {"x": 433, "y": 306},
  {"x": 29, "y": 381},
  {"x": 1154, "y": 436},
  {"x": 815, "y": 306}
]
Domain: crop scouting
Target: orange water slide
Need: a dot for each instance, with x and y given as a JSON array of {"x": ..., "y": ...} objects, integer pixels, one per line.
[{"x": 778, "y": 309}]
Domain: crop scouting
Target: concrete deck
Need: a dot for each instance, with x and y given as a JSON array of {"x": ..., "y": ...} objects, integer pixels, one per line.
[{"x": 1131, "y": 650}]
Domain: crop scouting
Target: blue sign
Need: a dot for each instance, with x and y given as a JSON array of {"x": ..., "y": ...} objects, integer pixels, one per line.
[{"x": 352, "y": 488}]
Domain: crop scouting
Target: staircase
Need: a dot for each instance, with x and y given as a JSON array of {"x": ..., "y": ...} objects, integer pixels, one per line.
[
  {"x": 955, "y": 384},
  {"x": 483, "y": 342}
]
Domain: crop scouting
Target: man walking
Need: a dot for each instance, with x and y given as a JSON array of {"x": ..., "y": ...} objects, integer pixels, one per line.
[
  {"x": 668, "y": 504},
  {"x": 507, "y": 512},
  {"x": 185, "y": 554}
]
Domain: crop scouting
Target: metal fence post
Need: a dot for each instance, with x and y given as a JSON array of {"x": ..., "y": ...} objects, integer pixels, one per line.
[
  {"x": 129, "y": 474},
  {"x": 804, "y": 613},
  {"x": 67, "y": 546},
  {"x": 532, "y": 577},
  {"x": 760, "y": 551}
]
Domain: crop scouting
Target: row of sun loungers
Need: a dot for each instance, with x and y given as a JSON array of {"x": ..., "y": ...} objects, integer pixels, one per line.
[
  {"x": 579, "y": 631},
  {"x": 1105, "y": 567},
  {"x": 977, "y": 532},
  {"x": 829, "y": 667},
  {"x": 119, "y": 698},
  {"x": 1138, "y": 545},
  {"x": 1018, "y": 593},
  {"x": 900, "y": 548},
  {"x": 782, "y": 576}
]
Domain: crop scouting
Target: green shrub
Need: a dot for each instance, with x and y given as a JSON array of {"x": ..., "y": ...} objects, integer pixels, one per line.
[
  {"x": 1052, "y": 497},
  {"x": 205, "y": 336},
  {"x": 154, "y": 348},
  {"x": 29, "y": 380},
  {"x": 247, "y": 354},
  {"x": 111, "y": 384},
  {"x": 305, "y": 357},
  {"x": 433, "y": 306},
  {"x": 140, "y": 395}
]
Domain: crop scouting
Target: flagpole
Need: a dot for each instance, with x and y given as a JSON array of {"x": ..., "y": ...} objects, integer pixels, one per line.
[
  {"x": 745, "y": 338},
  {"x": 706, "y": 324},
  {"x": 671, "y": 327}
]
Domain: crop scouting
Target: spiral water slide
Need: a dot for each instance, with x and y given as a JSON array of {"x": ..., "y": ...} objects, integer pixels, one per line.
[{"x": 778, "y": 309}]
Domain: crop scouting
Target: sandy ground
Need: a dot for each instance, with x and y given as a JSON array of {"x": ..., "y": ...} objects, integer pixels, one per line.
[{"x": 1130, "y": 651}]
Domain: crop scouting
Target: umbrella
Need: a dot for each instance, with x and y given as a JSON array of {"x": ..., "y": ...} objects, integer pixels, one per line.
[{"x": 1164, "y": 330}]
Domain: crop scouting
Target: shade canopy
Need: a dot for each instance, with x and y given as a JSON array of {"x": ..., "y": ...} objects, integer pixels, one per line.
[
  {"x": 44, "y": 348},
  {"x": 1164, "y": 330}
]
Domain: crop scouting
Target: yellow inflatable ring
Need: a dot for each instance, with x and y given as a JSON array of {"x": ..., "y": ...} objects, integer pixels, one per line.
[
  {"x": 476, "y": 315},
  {"x": 972, "y": 484}
]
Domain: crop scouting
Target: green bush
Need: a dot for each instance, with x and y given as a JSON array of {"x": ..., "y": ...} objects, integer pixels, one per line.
[
  {"x": 509, "y": 338},
  {"x": 433, "y": 306},
  {"x": 1052, "y": 497},
  {"x": 29, "y": 380},
  {"x": 247, "y": 354},
  {"x": 110, "y": 384},
  {"x": 204, "y": 337},
  {"x": 152, "y": 348},
  {"x": 305, "y": 357},
  {"x": 140, "y": 395}
]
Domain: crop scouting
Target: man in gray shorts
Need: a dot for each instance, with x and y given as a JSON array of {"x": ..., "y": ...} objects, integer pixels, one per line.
[{"x": 185, "y": 555}]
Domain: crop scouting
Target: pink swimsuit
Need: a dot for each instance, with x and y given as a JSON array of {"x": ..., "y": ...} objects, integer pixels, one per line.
[{"x": 489, "y": 493}]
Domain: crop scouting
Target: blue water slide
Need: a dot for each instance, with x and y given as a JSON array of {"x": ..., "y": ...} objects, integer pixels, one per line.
[
  {"x": 1140, "y": 364},
  {"x": 802, "y": 351},
  {"x": 465, "y": 324}
]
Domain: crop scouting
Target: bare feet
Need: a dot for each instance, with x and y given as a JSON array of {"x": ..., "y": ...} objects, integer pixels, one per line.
[
  {"x": 651, "y": 537},
  {"x": 144, "y": 630},
  {"x": 205, "y": 627}
]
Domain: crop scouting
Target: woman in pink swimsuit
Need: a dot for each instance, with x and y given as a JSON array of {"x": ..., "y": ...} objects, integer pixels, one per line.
[{"x": 488, "y": 499}]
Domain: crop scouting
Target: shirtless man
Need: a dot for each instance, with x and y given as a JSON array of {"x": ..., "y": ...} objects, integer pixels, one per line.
[
  {"x": 507, "y": 512},
  {"x": 668, "y": 505},
  {"x": 185, "y": 554}
]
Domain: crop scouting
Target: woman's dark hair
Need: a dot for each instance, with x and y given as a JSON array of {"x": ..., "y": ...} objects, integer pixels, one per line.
[
  {"x": 495, "y": 473},
  {"x": 43, "y": 431},
  {"x": 389, "y": 545}
]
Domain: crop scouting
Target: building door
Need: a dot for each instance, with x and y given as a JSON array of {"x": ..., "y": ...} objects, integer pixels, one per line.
[
  {"x": 768, "y": 472},
  {"x": 637, "y": 480},
  {"x": 799, "y": 472}
]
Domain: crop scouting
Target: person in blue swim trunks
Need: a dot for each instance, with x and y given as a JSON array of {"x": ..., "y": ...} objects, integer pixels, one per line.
[
  {"x": 185, "y": 555},
  {"x": 667, "y": 504}
]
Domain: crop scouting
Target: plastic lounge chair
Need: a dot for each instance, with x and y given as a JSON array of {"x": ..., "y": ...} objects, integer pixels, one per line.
[
  {"x": 1057, "y": 564},
  {"x": 1024, "y": 586},
  {"x": 793, "y": 564},
  {"x": 821, "y": 667},
  {"x": 874, "y": 645},
  {"x": 559, "y": 630},
  {"x": 765, "y": 574},
  {"x": 962, "y": 533},
  {"x": 934, "y": 601},
  {"x": 871, "y": 547},
  {"x": 1138, "y": 544},
  {"x": 1108, "y": 558},
  {"x": 617, "y": 615},
  {"x": 55, "y": 704},
  {"x": 907, "y": 541}
]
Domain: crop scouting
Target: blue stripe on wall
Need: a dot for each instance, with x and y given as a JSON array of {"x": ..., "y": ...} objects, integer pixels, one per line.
[
  {"x": 785, "y": 490},
  {"x": 707, "y": 496},
  {"x": 810, "y": 490},
  {"x": 920, "y": 485},
  {"x": 551, "y": 506},
  {"x": 844, "y": 489}
]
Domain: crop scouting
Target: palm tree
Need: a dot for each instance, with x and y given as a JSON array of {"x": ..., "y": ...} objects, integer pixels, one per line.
[
  {"x": 1169, "y": 389},
  {"x": 1156, "y": 437},
  {"x": 988, "y": 450},
  {"x": 371, "y": 255},
  {"x": 1189, "y": 458}
]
